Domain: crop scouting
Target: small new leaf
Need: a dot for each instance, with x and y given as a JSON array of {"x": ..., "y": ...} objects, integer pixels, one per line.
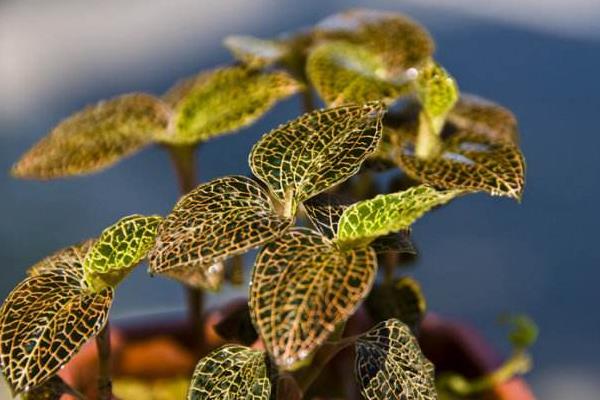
[
  {"x": 437, "y": 91},
  {"x": 255, "y": 52},
  {"x": 316, "y": 151},
  {"x": 344, "y": 73},
  {"x": 96, "y": 138},
  {"x": 218, "y": 219},
  {"x": 401, "y": 299},
  {"x": 302, "y": 287},
  {"x": 363, "y": 222},
  {"x": 119, "y": 249},
  {"x": 390, "y": 364},
  {"x": 224, "y": 100},
  {"x": 468, "y": 160},
  {"x": 46, "y": 319},
  {"x": 232, "y": 372}
]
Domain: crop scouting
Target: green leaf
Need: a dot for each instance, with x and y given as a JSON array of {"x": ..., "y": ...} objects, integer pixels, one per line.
[
  {"x": 344, "y": 73},
  {"x": 218, "y": 219},
  {"x": 524, "y": 331},
  {"x": 472, "y": 113},
  {"x": 119, "y": 249},
  {"x": 302, "y": 287},
  {"x": 401, "y": 299},
  {"x": 468, "y": 160},
  {"x": 363, "y": 222},
  {"x": 224, "y": 100},
  {"x": 390, "y": 364},
  {"x": 62, "y": 259},
  {"x": 46, "y": 319},
  {"x": 438, "y": 92},
  {"x": 316, "y": 151},
  {"x": 232, "y": 372},
  {"x": 255, "y": 52},
  {"x": 96, "y": 137}
]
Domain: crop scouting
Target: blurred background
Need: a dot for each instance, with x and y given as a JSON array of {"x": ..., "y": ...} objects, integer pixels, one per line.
[{"x": 480, "y": 256}]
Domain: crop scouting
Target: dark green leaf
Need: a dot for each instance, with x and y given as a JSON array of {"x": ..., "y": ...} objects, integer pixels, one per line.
[{"x": 401, "y": 299}]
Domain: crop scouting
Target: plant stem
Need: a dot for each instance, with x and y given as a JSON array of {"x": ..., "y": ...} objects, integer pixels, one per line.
[
  {"x": 183, "y": 158},
  {"x": 104, "y": 367},
  {"x": 308, "y": 100},
  {"x": 429, "y": 143}
]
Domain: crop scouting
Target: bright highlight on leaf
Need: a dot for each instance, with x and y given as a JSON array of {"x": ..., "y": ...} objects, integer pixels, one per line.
[
  {"x": 224, "y": 100},
  {"x": 302, "y": 287},
  {"x": 390, "y": 364},
  {"x": 363, "y": 222},
  {"x": 47, "y": 318},
  {"x": 119, "y": 249},
  {"x": 437, "y": 91},
  {"x": 218, "y": 219},
  {"x": 401, "y": 299},
  {"x": 470, "y": 161},
  {"x": 96, "y": 138},
  {"x": 232, "y": 372},
  {"x": 316, "y": 151},
  {"x": 255, "y": 52}
]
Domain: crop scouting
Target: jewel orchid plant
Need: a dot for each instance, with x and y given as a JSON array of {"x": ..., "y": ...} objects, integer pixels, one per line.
[{"x": 326, "y": 244}]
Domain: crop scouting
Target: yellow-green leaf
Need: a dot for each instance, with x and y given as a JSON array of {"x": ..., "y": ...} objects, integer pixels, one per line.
[
  {"x": 482, "y": 116},
  {"x": 255, "y": 52},
  {"x": 224, "y": 100},
  {"x": 96, "y": 137},
  {"x": 46, "y": 319},
  {"x": 302, "y": 287},
  {"x": 401, "y": 299},
  {"x": 438, "y": 92},
  {"x": 218, "y": 219},
  {"x": 468, "y": 160},
  {"x": 316, "y": 151},
  {"x": 390, "y": 364},
  {"x": 344, "y": 73},
  {"x": 119, "y": 249},
  {"x": 232, "y": 372},
  {"x": 363, "y": 222}
]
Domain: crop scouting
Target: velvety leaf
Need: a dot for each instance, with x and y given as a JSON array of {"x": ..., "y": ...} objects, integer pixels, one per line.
[
  {"x": 96, "y": 137},
  {"x": 400, "y": 42},
  {"x": 316, "y": 151},
  {"x": 470, "y": 161},
  {"x": 46, "y": 319},
  {"x": 53, "y": 389},
  {"x": 437, "y": 92},
  {"x": 363, "y": 222},
  {"x": 63, "y": 259},
  {"x": 119, "y": 249},
  {"x": 255, "y": 52},
  {"x": 395, "y": 242},
  {"x": 344, "y": 73},
  {"x": 232, "y": 372},
  {"x": 218, "y": 219},
  {"x": 481, "y": 116},
  {"x": 401, "y": 299},
  {"x": 224, "y": 100},
  {"x": 390, "y": 364},
  {"x": 302, "y": 287}
]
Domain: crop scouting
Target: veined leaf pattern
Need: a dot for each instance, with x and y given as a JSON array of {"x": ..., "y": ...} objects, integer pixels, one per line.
[
  {"x": 96, "y": 137},
  {"x": 232, "y": 372},
  {"x": 437, "y": 92},
  {"x": 46, "y": 319},
  {"x": 363, "y": 222},
  {"x": 63, "y": 260},
  {"x": 52, "y": 389},
  {"x": 218, "y": 219},
  {"x": 224, "y": 100},
  {"x": 390, "y": 364},
  {"x": 318, "y": 150},
  {"x": 401, "y": 299},
  {"x": 470, "y": 161},
  {"x": 119, "y": 249},
  {"x": 302, "y": 287},
  {"x": 255, "y": 52}
]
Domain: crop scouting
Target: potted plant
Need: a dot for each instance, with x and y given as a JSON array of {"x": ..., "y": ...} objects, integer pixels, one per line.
[{"x": 325, "y": 289}]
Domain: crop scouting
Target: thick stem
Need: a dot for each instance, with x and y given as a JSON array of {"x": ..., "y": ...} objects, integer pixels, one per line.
[
  {"x": 308, "y": 100},
  {"x": 183, "y": 158},
  {"x": 104, "y": 367},
  {"x": 429, "y": 143}
]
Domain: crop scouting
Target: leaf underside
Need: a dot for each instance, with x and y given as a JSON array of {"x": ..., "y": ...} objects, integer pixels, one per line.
[
  {"x": 232, "y": 372},
  {"x": 401, "y": 299},
  {"x": 390, "y": 364},
  {"x": 119, "y": 248},
  {"x": 96, "y": 137},
  {"x": 369, "y": 219},
  {"x": 470, "y": 161},
  {"x": 255, "y": 52},
  {"x": 224, "y": 100},
  {"x": 46, "y": 319},
  {"x": 219, "y": 219},
  {"x": 318, "y": 150},
  {"x": 302, "y": 287}
]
